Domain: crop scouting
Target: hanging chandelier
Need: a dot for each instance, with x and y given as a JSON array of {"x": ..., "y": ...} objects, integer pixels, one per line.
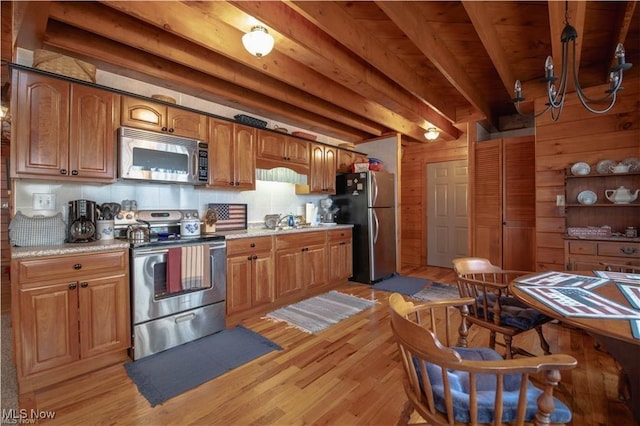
[{"x": 556, "y": 92}]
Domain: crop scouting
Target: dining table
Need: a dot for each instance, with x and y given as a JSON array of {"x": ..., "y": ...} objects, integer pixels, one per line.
[{"x": 606, "y": 306}]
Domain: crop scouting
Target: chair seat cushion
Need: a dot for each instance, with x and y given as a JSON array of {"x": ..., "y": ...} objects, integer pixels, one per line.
[
  {"x": 513, "y": 313},
  {"x": 486, "y": 386}
]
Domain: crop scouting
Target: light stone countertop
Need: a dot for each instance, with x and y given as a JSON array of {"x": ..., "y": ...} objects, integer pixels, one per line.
[
  {"x": 98, "y": 246},
  {"x": 265, "y": 232},
  {"x": 68, "y": 248}
]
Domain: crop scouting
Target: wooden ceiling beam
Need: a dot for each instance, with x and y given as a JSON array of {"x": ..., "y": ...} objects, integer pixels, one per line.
[
  {"x": 416, "y": 26},
  {"x": 333, "y": 21},
  {"x": 30, "y": 22},
  {"x": 309, "y": 45},
  {"x": 124, "y": 29},
  {"x": 623, "y": 24},
  {"x": 488, "y": 35},
  {"x": 179, "y": 18},
  {"x": 127, "y": 61}
]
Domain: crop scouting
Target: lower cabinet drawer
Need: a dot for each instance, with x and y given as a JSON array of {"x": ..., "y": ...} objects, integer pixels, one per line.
[
  {"x": 621, "y": 249},
  {"x": 74, "y": 267},
  {"x": 582, "y": 247}
]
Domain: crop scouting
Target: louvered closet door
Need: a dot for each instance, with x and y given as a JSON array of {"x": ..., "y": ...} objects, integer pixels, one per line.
[
  {"x": 488, "y": 201},
  {"x": 518, "y": 232}
]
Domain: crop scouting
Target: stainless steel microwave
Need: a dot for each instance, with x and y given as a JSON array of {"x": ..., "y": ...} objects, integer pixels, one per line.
[{"x": 159, "y": 157}]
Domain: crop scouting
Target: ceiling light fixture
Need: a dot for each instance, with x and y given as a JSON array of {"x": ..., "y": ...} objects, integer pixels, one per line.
[
  {"x": 556, "y": 95},
  {"x": 432, "y": 134},
  {"x": 258, "y": 42}
]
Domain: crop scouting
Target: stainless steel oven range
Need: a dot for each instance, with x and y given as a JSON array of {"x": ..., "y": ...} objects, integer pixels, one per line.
[{"x": 178, "y": 284}]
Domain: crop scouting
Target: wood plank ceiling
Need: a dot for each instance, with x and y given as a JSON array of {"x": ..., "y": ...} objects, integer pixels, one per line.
[{"x": 350, "y": 70}]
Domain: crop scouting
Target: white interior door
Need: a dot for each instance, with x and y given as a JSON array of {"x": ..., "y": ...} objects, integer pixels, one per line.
[{"x": 447, "y": 225}]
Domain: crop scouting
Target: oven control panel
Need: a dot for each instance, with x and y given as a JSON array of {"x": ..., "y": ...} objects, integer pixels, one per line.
[{"x": 153, "y": 217}]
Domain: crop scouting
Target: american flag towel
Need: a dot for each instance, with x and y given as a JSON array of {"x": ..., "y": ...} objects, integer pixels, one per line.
[{"x": 230, "y": 216}]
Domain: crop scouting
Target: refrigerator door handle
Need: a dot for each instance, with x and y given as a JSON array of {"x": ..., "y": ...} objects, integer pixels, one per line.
[
  {"x": 376, "y": 226},
  {"x": 374, "y": 189}
]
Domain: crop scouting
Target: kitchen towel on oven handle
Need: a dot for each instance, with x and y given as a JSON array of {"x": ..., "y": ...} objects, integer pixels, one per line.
[{"x": 188, "y": 268}]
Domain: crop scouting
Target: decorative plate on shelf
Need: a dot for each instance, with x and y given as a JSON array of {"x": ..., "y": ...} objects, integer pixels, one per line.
[
  {"x": 587, "y": 198},
  {"x": 633, "y": 163},
  {"x": 580, "y": 169},
  {"x": 603, "y": 166}
]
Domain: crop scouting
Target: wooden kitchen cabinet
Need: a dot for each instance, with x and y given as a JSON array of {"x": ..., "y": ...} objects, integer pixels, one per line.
[
  {"x": 62, "y": 130},
  {"x": 589, "y": 255},
  {"x": 232, "y": 155},
  {"x": 301, "y": 260},
  {"x": 71, "y": 315},
  {"x": 250, "y": 274},
  {"x": 149, "y": 115},
  {"x": 322, "y": 178},
  {"x": 346, "y": 158},
  {"x": 279, "y": 150},
  {"x": 340, "y": 245}
]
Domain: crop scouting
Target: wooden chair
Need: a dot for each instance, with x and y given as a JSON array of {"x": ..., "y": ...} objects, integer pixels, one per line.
[
  {"x": 457, "y": 385},
  {"x": 617, "y": 267},
  {"x": 494, "y": 307}
]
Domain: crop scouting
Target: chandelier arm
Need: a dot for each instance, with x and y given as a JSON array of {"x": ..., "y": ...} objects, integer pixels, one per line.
[
  {"x": 585, "y": 103},
  {"x": 584, "y": 99}
]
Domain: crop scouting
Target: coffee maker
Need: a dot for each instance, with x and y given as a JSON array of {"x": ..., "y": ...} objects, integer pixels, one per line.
[{"x": 82, "y": 221}]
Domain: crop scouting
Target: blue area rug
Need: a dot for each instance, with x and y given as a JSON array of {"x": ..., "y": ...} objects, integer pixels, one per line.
[
  {"x": 417, "y": 288},
  {"x": 164, "y": 375},
  {"x": 317, "y": 313},
  {"x": 402, "y": 284}
]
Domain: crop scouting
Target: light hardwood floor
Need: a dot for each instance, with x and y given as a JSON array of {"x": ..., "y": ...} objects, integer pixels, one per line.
[{"x": 348, "y": 374}]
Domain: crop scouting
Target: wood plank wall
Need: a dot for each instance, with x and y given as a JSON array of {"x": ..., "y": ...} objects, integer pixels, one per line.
[
  {"x": 578, "y": 135},
  {"x": 415, "y": 157}
]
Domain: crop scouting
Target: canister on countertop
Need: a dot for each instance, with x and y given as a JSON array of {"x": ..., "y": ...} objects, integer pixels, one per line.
[{"x": 631, "y": 232}]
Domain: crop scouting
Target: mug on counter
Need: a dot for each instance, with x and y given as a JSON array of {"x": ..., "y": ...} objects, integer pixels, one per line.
[{"x": 104, "y": 230}]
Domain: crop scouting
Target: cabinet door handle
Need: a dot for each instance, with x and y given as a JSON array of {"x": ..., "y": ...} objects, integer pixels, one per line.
[
  {"x": 72, "y": 286},
  {"x": 63, "y": 171},
  {"x": 628, "y": 250},
  {"x": 249, "y": 258},
  {"x": 77, "y": 266},
  {"x": 171, "y": 130},
  {"x": 164, "y": 129},
  {"x": 252, "y": 245},
  {"x": 74, "y": 172},
  {"x": 84, "y": 284},
  {"x": 254, "y": 257}
]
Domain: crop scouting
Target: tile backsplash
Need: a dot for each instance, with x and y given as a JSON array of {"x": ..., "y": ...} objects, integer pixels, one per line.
[{"x": 268, "y": 197}]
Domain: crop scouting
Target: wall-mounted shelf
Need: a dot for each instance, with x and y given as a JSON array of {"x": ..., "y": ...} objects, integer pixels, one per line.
[{"x": 603, "y": 212}]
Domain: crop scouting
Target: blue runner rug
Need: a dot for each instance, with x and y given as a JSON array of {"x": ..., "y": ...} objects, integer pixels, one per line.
[{"x": 164, "y": 375}]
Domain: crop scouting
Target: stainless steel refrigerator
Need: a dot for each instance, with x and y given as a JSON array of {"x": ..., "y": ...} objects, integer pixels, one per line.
[{"x": 367, "y": 200}]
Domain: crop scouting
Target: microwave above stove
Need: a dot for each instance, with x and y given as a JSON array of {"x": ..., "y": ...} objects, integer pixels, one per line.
[{"x": 159, "y": 157}]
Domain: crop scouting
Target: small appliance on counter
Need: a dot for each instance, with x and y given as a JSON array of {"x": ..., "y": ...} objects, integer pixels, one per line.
[
  {"x": 328, "y": 214},
  {"x": 82, "y": 221}
]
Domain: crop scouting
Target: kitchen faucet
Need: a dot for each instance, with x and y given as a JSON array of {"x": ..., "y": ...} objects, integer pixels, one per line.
[{"x": 289, "y": 218}]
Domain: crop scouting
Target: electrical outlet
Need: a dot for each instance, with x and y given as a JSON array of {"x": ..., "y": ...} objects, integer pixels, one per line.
[{"x": 44, "y": 201}]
